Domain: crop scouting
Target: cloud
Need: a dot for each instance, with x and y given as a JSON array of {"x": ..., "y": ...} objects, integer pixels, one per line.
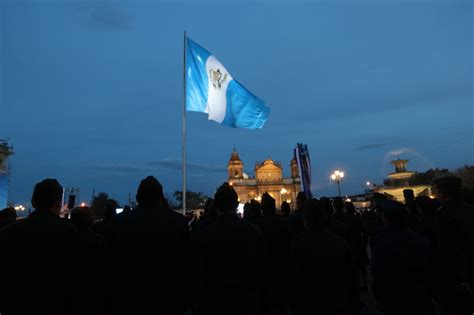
[
  {"x": 170, "y": 164},
  {"x": 177, "y": 165},
  {"x": 124, "y": 168},
  {"x": 105, "y": 14},
  {"x": 371, "y": 146}
]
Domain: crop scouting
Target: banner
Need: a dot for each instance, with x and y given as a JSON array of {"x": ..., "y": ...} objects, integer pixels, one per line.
[{"x": 304, "y": 168}]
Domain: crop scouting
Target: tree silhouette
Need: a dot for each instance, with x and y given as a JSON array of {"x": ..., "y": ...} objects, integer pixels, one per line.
[
  {"x": 101, "y": 204},
  {"x": 194, "y": 200}
]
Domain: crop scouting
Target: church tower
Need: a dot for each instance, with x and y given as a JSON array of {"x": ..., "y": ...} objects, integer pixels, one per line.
[
  {"x": 235, "y": 166},
  {"x": 294, "y": 168}
]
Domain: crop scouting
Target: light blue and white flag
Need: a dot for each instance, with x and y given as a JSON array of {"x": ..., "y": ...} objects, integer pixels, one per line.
[{"x": 211, "y": 89}]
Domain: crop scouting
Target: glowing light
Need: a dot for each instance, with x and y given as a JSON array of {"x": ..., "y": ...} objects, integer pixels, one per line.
[
  {"x": 283, "y": 191},
  {"x": 368, "y": 184},
  {"x": 20, "y": 208},
  {"x": 83, "y": 204}
]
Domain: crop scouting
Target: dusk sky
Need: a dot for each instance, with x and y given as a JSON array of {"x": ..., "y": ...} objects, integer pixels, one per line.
[{"x": 91, "y": 91}]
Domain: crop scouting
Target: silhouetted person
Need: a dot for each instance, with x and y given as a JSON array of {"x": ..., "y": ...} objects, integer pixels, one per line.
[
  {"x": 340, "y": 222},
  {"x": 454, "y": 249},
  {"x": 412, "y": 213},
  {"x": 426, "y": 208},
  {"x": 401, "y": 262},
  {"x": 7, "y": 216},
  {"x": 296, "y": 225},
  {"x": 82, "y": 219},
  {"x": 110, "y": 212},
  {"x": 210, "y": 214},
  {"x": 323, "y": 275},
  {"x": 252, "y": 210},
  {"x": 374, "y": 218},
  {"x": 37, "y": 254},
  {"x": 285, "y": 209},
  {"x": 153, "y": 242},
  {"x": 357, "y": 241},
  {"x": 89, "y": 264},
  {"x": 230, "y": 262},
  {"x": 127, "y": 209},
  {"x": 277, "y": 239}
]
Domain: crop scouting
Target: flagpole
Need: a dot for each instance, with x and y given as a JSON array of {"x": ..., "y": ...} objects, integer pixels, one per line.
[{"x": 184, "y": 124}]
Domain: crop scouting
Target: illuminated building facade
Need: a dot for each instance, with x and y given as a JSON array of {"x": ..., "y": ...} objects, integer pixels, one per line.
[{"x": 268, "y": 178}]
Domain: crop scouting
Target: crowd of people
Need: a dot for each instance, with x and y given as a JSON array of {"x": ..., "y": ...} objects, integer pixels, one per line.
[{"x": 415, "y": 258}]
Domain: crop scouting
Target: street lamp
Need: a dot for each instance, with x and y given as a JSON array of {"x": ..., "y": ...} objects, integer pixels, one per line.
[{"x": 337, "y": 177}]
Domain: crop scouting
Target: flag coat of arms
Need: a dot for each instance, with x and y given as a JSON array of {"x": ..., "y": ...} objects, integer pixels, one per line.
[{"x": 211, "y": 89}]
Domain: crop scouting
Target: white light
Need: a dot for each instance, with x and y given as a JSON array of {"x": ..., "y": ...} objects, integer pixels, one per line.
[
  {"x": 368, "y": 183},
  {"x": 341, "y": 174},
  {"x": 336, "y": 172},
  {"x": 333, "y": 177}
]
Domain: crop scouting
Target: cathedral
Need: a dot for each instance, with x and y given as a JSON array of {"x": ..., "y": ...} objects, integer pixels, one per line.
[{"x": 268, "y": 178}]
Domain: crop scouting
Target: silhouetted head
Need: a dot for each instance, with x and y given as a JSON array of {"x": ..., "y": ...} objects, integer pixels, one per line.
[
  {"x": 268, "y": 205},
  {"x": 375, "y": 199},
  {"x": 7, "y": 216},
  {"x": 47, "y": 195},
  {"x": 150, "y": 193},
  {"x": 252, "y": 210},
  {"x": 393, "y": 213},
  {"x": 127, "y": 209},
  {"x": 226, "y": 198},
  {"x": 210, "y": 210},
  {"x": 409, "y": 195},
  {"x": 314, "y": 217},
  {"x": 350, "y": 208},
  {"x": 82, "y": 217},
  {"x": 426, "y": 206},
  {"x": 285, "y": 208},
  {"x": 326, "y": 206},
  {"x": 447, "y": 188},
  {"x": 338, "y": 204},
  {"x": 300, "y": 199}
]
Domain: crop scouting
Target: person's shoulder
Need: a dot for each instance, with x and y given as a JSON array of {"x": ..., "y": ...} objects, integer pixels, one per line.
[
  {"x": 335, "y": 239},
  {"x": 15, "y": 227},
  {"x": 417, "y": 238}
]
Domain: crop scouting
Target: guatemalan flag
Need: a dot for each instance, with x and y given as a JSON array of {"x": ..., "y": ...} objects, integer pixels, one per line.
[{"x": 211, "y": 89}]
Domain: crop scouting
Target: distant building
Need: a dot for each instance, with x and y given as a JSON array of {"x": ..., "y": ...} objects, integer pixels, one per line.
[
  {"x": 5, "y": 151},
  {"x": 400, "y": 180},
  {"x": 268, "y": 178}
]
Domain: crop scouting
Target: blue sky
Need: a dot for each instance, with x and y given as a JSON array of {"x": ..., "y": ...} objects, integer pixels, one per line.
[{"x": 91, "y": 91}]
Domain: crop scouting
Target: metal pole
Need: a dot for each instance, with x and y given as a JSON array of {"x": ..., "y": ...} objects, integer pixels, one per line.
[
  {"x": 339, "y": 187},
  {"x": 184, "y": 123}
]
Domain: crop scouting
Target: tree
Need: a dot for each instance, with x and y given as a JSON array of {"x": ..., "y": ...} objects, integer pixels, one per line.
[
  {"x": 194, "y": 200},
  {"x": 427, "y": 178},
  {"x": 101, "y": 204}
]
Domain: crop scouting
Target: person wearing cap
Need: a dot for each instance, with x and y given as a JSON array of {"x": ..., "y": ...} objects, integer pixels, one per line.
[
  {"x": 454, "y": 248},
  {"x": 37, "y": 253},
  {"x": 229, "y": 262},
  {"x": 149, "y": 255},
  {"x": 401, "y": 262}
]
